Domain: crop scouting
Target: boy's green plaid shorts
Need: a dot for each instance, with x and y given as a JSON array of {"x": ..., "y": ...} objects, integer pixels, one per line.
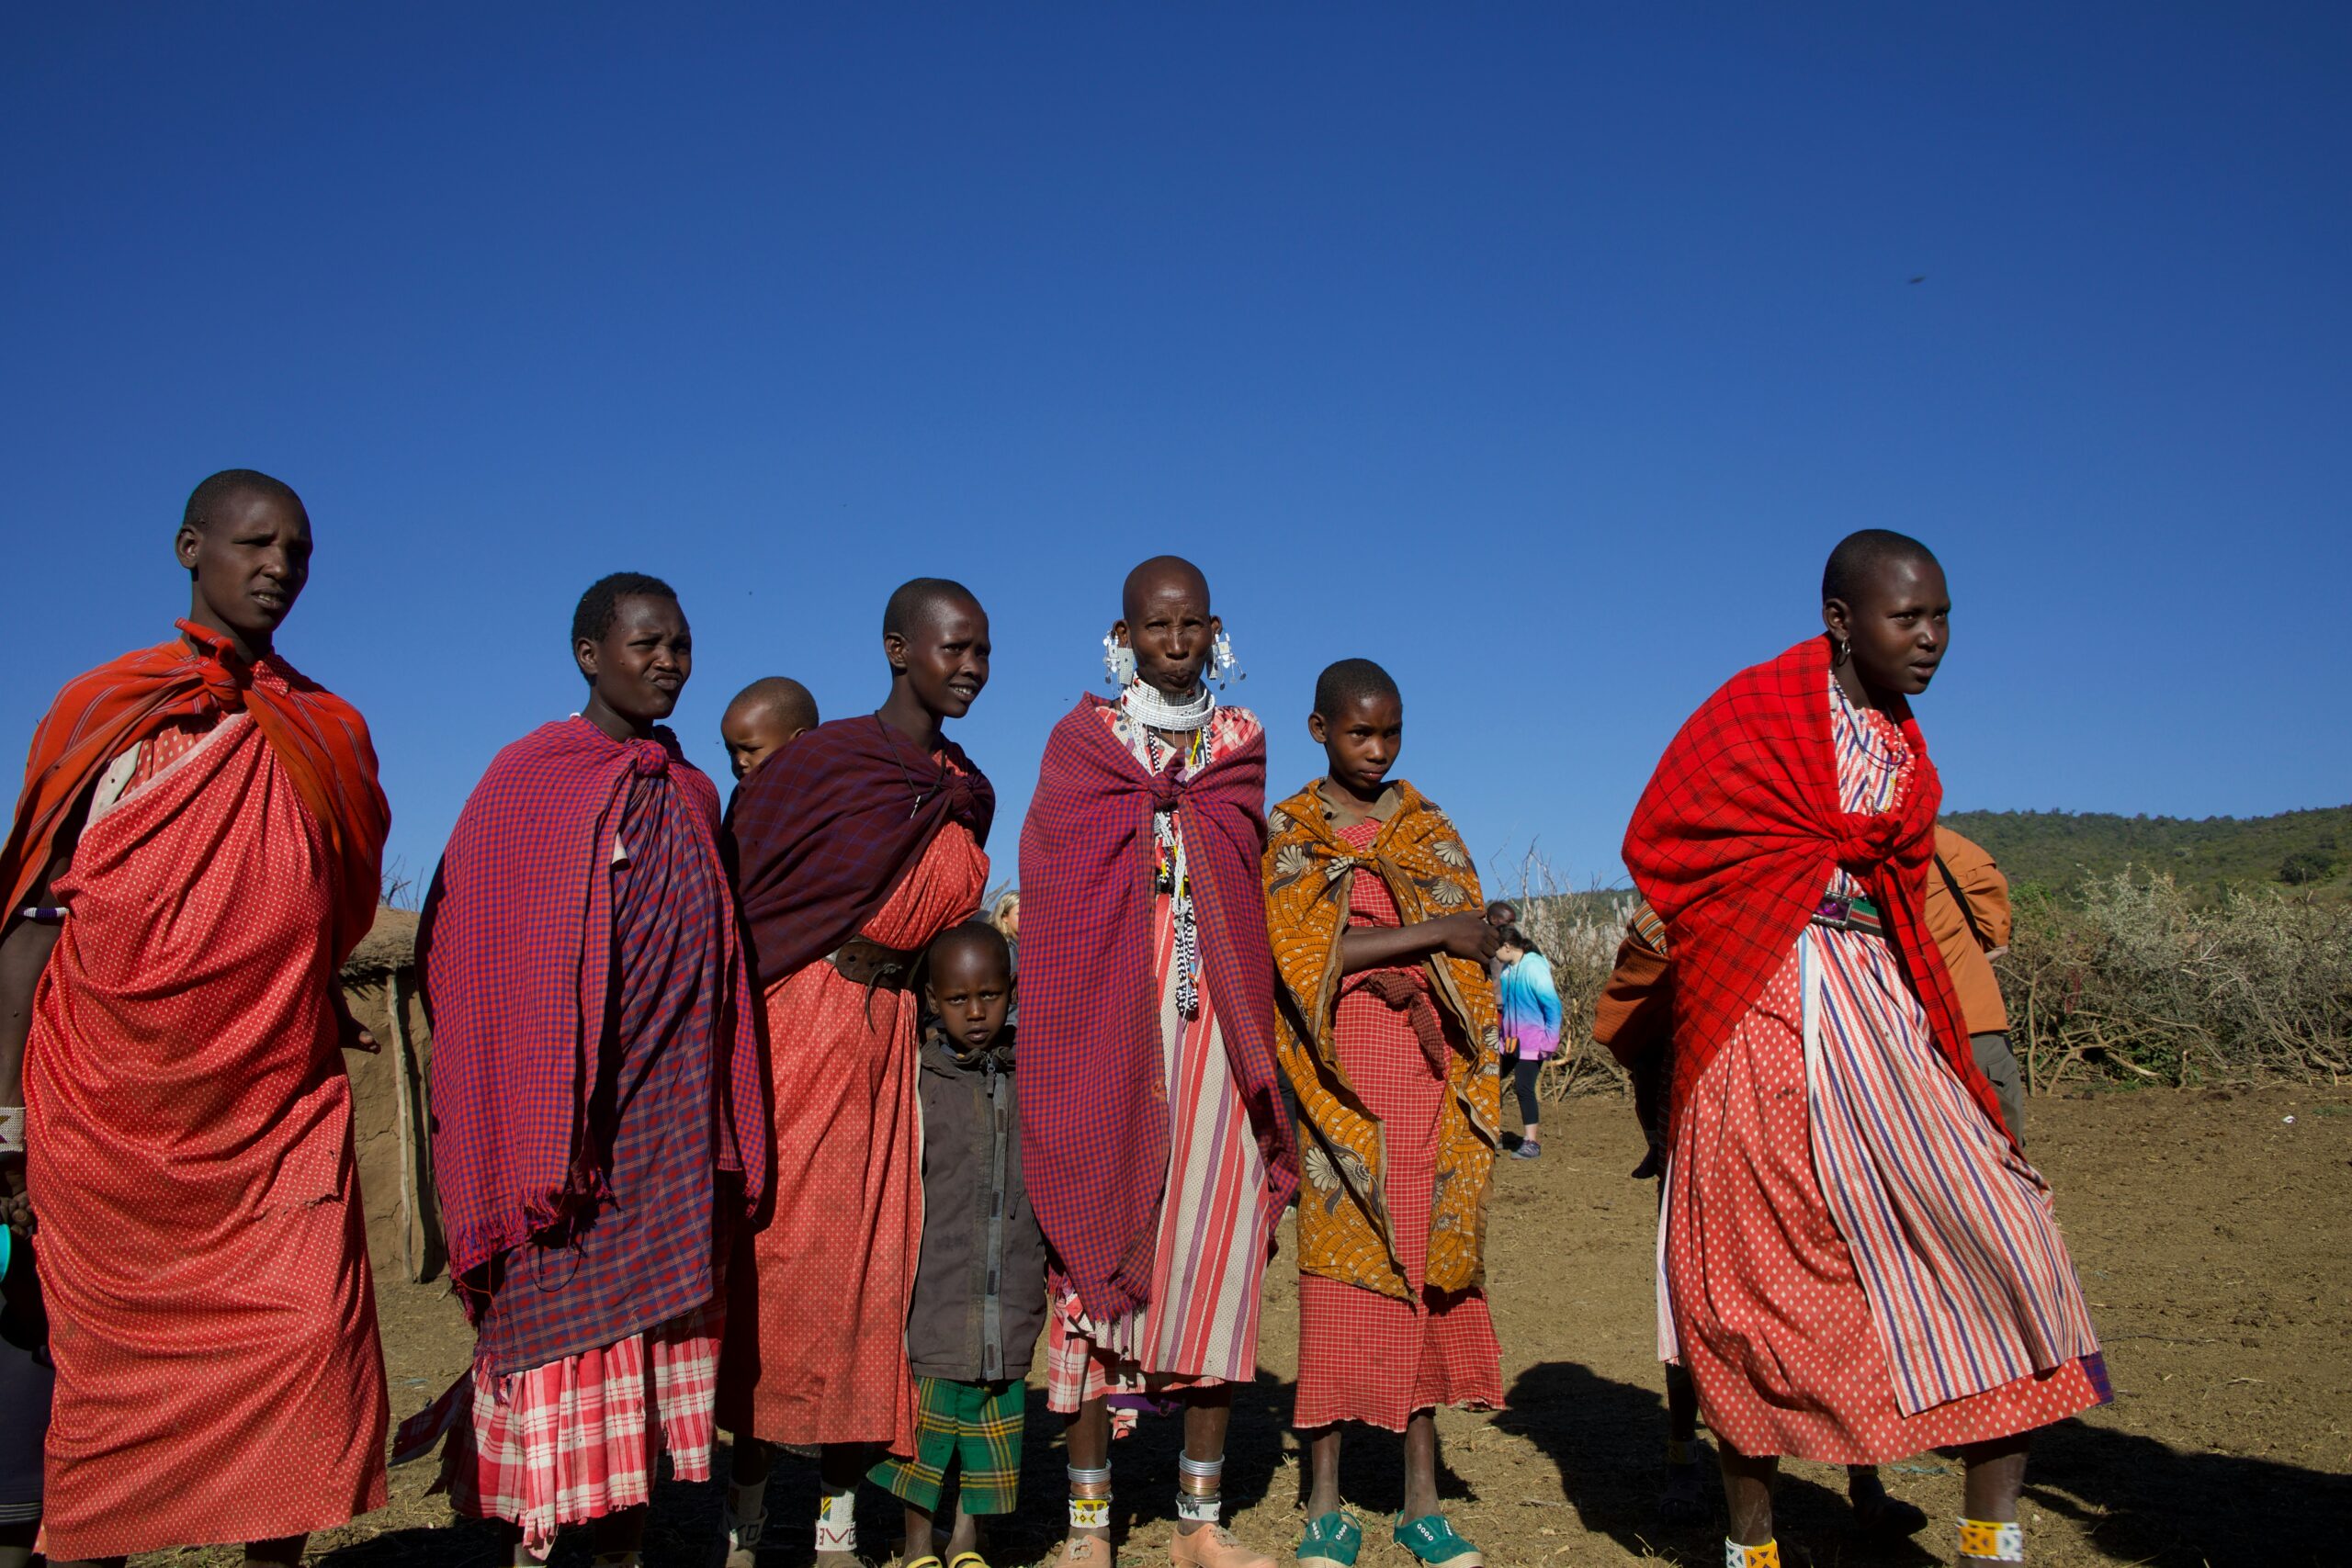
[{"x": 976, "y": 1425}]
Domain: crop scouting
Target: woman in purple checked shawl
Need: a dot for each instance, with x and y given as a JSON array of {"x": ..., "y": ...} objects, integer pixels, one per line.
[{"x": 600, "y": 1116}]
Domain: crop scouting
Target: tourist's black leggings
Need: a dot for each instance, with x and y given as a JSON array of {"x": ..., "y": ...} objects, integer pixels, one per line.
[{"x": 1522, "y": 1077}]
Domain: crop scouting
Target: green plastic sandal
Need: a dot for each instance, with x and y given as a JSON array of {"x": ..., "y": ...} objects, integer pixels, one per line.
[
  {"x": 1432, "y": 1540},
  {"x": 1331, "y": 1542}
]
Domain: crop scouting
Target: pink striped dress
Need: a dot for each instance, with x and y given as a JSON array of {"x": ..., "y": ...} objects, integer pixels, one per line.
[
  {"x": 1854, "y": 1263},
  {"x": 1200, "y": 1326}
]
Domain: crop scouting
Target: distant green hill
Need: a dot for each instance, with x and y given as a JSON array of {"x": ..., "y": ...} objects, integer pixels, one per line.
[{"x": 2058, "y": 851}]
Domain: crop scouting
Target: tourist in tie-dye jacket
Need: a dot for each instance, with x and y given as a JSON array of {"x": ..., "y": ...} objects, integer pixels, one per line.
[{"x": 1530, "y": 1020}]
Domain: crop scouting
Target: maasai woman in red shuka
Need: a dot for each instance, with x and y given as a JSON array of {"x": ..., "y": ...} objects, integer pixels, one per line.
[
  {"x": 186, "y": 1121},
  {"x": 1857, "y": 1262},
  {"x": 854, "y": 846},
  {"x": 1153, "y": 1135},
  {"x": 599, "y": 1119}
]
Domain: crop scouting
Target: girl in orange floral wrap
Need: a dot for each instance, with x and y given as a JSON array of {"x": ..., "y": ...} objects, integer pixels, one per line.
[{"x": 1388, "y": 1034}]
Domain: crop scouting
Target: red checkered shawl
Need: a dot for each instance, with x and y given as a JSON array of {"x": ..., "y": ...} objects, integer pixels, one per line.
[
  {"x": 1734, "y": 841},
  {"x": 825, "y": 830},
  {"x": 515, "y": 946},
  {"x": 320, "y": 739},
  {"x": 1093, "y": 1108}
]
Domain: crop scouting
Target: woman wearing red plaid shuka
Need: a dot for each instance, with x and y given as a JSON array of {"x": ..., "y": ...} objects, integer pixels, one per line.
[
  {"x": 1154, "y": 1140},
  {"x": 1857, "y": 1262},
  {"x": 599, "y": 1118}
]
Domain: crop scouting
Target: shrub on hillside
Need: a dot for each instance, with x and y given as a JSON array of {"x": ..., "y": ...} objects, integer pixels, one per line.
[{"x": 2144, "y": 981}]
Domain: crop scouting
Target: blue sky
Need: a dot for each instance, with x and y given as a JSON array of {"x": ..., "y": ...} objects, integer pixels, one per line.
[{"x": 1538, "y": 352}]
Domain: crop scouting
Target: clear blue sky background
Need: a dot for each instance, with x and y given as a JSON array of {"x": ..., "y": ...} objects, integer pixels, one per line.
[{"x": 1539, "y": 352}]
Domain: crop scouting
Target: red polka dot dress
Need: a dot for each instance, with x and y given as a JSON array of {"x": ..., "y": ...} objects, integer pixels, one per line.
[
  {"x": 203, "y": 1248},
  {"x": 816, "y": 1349}
]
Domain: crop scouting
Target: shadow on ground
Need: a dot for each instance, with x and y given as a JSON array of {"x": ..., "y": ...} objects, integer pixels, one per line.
[
  {"x": 2142, "y": 1501},
  {"x": 2137, "y": 1500}
]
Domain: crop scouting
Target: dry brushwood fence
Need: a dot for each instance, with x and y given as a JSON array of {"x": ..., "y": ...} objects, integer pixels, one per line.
[
  {"x": 2144, "y": 981},
  {"x": 2140, "y": 981}
]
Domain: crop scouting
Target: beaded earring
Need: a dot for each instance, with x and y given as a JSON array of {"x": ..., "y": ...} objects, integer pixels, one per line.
[
  {"x": 1118, "y": 663},
  {"x": 1225, "y": 666}
]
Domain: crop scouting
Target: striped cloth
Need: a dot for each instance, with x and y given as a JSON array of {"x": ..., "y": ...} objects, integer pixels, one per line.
[
  {"x": 1216, "y": 1230},
  {"x": 1856, "y": 1263},
  {"x": 976, "y": 1427},
  {"x": 1125, "y": 1101},
  {"x": 1739, "y": 831},
  {"x": 579, "y": 1438}
]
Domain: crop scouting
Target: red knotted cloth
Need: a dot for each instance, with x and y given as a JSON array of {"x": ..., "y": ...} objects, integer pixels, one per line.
[
  {"x": 1093, "y": 1095},
  {"x": 319, "y": 738},
  {"x": 1733, "y": 844}
]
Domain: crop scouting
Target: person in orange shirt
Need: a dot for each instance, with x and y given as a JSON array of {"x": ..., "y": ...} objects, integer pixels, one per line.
[{"x": 1968, "y": 914}]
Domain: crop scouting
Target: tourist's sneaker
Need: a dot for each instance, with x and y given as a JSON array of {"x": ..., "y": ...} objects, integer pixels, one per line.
[
  {"x": 1212, "y": 1546},
  {"x": 1528, "y": 1149}
]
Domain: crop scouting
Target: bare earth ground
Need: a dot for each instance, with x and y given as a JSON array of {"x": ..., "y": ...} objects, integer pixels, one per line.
[{"x": 2214, "y": 1236}]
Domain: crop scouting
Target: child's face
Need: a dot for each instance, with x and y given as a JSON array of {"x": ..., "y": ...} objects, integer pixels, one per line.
[
  {"x": 752, "y": 735},
  {"x": 1361, "y": 741},
  {"x": 970, "y": 989}
]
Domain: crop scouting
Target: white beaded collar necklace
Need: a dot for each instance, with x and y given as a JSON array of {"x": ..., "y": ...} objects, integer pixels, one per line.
[{"x": 1147, "y": 708}]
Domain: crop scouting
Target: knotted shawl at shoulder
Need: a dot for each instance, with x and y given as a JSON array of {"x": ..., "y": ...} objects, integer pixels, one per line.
[
  {"x": 1734, "y": 841},
  {"x": 516, "y": 945},
  {"x": 318, "y": 740},
  {"x": 1345, "y": 1233},
  {"x": 831, "y": 825},
  {"x": 1093, "y": 1108}
]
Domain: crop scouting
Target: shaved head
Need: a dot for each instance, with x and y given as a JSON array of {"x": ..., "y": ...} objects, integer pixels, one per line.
[
  {"x": 1860, "y": 556},
  {"x": 779, "y": 698},
  {"x": 1341, "y": 685},
  {"x": 974, "y": 942},
  {"x": 765, "y": 717},
  {"x": 1158, "y": 572},
  {"x": 914, "y": 601},
  {"x": 209, "y": 497}
]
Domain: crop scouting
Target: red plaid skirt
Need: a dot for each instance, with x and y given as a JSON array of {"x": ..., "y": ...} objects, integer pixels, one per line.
[{"x": 576, "y": 1438}]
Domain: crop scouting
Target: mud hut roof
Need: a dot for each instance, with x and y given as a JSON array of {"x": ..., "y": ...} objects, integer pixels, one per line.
[{"x": 390, "y": 944}]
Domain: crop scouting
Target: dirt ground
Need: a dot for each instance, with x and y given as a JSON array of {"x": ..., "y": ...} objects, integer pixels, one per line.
[{"x": 2213, "y": 1232}]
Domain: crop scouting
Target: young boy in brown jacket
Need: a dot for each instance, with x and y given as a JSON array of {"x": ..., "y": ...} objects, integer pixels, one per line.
[{"x": 979, "y": 1298}]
